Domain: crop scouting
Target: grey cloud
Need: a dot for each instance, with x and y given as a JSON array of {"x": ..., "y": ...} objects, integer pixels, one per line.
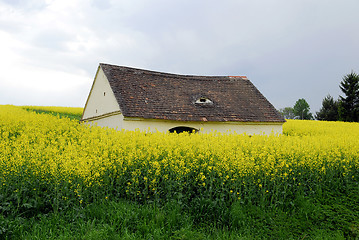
[
  {"x": 289, "y": 49},
  {"x": 102, "y": 4},
  {"x": 53, "y": 39},
  {"x": 26, "y": 5}
]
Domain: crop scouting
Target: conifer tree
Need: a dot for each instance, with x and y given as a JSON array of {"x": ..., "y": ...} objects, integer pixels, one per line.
[
  {"x": 329, "y": 110},
  {"x": 349, "y": 104}
]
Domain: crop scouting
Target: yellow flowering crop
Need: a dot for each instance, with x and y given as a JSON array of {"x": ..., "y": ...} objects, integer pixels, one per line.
[
  {"x": 68, "y": 110},
  {"x": 58, "y": 161}
]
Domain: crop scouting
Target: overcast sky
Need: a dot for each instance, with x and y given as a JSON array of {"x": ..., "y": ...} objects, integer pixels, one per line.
[{"x": 289, "y": 49}]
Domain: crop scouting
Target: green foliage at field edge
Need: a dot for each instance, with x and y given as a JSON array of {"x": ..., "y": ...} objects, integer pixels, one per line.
[
  {"x": 327, "y": 215},
  {"x": 60, "y": 114}
]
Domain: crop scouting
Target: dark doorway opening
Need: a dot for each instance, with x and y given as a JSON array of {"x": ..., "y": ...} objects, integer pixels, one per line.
[{"x": 183, "y": 129}]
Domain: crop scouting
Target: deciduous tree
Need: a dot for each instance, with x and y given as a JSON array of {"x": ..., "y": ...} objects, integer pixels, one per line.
[
  {"x": 301, "y": 109},
  {"x": 287, "y": 112}
]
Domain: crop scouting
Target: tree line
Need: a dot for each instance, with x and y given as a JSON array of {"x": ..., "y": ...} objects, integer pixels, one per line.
[{"x": 345, "y": 108}]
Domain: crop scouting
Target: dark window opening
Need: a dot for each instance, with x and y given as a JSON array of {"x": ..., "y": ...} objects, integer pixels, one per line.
[
  {"x": 183, "y": 129},
  {"x": 104, "y": 93},
  {"x": 204, "y": 100}
]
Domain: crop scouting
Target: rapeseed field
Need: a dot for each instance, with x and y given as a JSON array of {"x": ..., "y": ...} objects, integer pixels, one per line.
[{"x": 50, "y": 164}]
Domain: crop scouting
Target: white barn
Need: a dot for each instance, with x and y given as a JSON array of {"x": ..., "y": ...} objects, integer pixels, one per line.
[{"x": 130, "y": 99}]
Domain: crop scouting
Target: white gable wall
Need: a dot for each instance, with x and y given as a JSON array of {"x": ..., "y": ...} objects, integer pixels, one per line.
[{"x": 101, "y": 99}]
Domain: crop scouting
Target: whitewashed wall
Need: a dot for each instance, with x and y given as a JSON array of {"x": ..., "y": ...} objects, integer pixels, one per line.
[{"x": 131, "y": 124}]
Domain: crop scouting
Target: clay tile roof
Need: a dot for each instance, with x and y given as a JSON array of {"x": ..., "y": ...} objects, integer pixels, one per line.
[{"x": 155, "y": 95}]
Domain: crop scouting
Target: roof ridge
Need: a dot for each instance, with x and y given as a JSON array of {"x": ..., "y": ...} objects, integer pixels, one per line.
[{"x": 173, "y": 75}]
